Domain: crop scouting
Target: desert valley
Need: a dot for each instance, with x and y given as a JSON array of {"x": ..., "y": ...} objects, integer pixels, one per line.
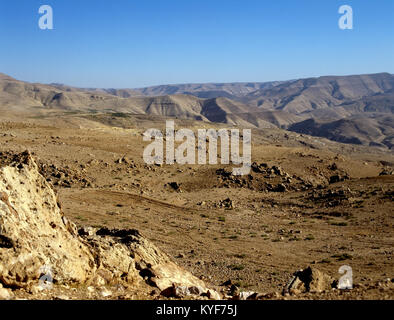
[{"x": 319, "y": 194}]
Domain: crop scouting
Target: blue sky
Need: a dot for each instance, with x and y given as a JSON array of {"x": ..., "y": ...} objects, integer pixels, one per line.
[{"x": 129, "y": 43}]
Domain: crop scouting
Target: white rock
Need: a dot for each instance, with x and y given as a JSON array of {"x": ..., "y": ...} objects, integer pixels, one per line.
[
  {"x": 213, "y": 295},
  {"x": 5, "y": 294},
  {"x": 106, "y": 293},
  {"x": 90, "y": 289},
  {"x": 244, "y": 295}
]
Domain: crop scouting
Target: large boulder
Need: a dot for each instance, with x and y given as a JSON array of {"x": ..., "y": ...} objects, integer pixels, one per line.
[
  {"x": 139, "y": 257},
  {"x": 309, "y": 280},
  {"x": 34, "y": 233}
]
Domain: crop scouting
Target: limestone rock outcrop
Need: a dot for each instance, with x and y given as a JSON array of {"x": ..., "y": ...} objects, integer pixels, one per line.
[
  {"x": 34, "y": 233},
  {"x": 36, "y": 237}
]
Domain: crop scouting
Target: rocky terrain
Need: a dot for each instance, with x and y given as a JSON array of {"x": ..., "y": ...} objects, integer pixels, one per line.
[{"x": 83, "y": 212}]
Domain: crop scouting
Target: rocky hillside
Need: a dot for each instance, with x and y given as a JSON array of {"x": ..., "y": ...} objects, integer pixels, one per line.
[{"x": 352, "y": 109}]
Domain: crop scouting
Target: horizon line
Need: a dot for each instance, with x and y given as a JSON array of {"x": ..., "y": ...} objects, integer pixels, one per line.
[{"x": 195, "y": 83}]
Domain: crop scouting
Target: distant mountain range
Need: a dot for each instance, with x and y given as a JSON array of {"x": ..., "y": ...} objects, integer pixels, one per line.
[{"x": 354, "y": 109}]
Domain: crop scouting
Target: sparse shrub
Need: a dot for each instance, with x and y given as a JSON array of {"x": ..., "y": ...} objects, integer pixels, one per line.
[
  {"x": 325, "y": 261},
  {"x": 339, "y": 224},
  {"x": 343, "y": 256},
  {"x": 236, "y": 267}
]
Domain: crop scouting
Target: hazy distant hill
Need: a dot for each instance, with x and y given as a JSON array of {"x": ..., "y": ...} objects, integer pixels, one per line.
[
  {"x": 352, "y": 109},
  {"x": 200, "y": 90},
  {"x": 209, "y": 90}
]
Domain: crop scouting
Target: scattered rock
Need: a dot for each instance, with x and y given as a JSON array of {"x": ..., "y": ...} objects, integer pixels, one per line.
[
  {"x": 178, "y": 291},
  {"x": 338, "y": 178},
  {"x": 309, "y": 280},
  {"x": 226, "y": 203},
  {"x": 233, "y": 290},
  {"x": 213, "y": 295},
  {"x": 259, "y": 168},
  {"x": 333, "y": 167},
  {"x": 61, "y": 297},
  {"x": 246, "y": 295},
  {"x": 280, "y": 188},
  {"x": 386, "y": 172},
  {"x": 174, "y": 185},
  {"x": 106, "y": 293}
]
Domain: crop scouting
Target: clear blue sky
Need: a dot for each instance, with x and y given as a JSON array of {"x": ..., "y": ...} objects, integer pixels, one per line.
[{"x": 129, "y": 43}]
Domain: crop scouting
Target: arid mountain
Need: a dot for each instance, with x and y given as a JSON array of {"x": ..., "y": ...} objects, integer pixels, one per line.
[
  {"x": 200, "y": 90},
  {"x": 317, "y": 93},
  {"x": 122, "y": 93},
  {"x": 351, "y": 109},
  {"x": 209, "y": 90},
  {"x": 377, "y": 131}
]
